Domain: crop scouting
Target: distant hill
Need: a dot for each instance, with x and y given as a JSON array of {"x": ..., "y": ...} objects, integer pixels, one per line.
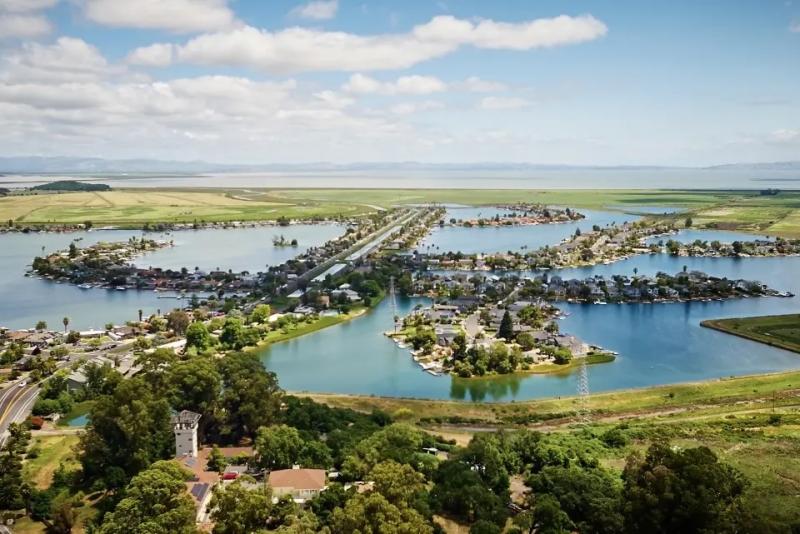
[{"x": 71, "y": 185}]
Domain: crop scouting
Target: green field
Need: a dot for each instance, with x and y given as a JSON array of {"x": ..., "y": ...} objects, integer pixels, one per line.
[
  {"x": 741, "y": 210},
  {"x": 777, "y": 330},
  {"x": 136, "y": 207}
]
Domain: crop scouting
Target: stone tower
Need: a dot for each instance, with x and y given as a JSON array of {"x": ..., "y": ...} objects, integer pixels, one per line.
[{"x": 185, "y": 426}]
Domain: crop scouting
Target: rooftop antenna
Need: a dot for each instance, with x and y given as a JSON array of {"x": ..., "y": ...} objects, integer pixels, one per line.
[
  {"x": 393, "y": 302},
  {"x": 583, "y": 393}
]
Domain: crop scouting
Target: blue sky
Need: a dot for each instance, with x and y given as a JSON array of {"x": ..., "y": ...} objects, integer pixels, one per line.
[{"x": 542, "y": 81}]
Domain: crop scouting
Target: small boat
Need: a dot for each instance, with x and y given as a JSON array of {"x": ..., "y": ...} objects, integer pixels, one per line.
[
  {"x": 121, "y": 288},
  {"x": 85, "y": 286}
]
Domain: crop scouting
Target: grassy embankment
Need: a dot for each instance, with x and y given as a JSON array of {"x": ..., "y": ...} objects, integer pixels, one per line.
[{"x": 781, "y": 331}]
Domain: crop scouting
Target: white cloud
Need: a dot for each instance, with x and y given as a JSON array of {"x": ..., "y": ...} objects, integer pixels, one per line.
[
  {"x": 155, "y": 55},
  {"x": 179, "y": 16},
  {"x": 68, "y": 59},
  {"x": 303, "y": 49},
  {"x": 502, "y": 103},
  {"x": 21, "y": 6},
  {"x": 318, "y": 10},
  {"x": 12, "y": 26},
  {"x": 785, "y": 136},
  {"x": 409, "y": 85},
  {"x": 474, "y": 84},
  {"x": 408, "y": 108}
]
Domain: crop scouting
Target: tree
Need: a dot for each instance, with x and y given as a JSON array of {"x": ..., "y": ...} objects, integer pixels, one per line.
[
  {"x": 155, "y": 501},
  {"x": 526, "y": 341},
  {"x": 195, "y": 385},
  {"x": 178, "y": 321},
  {"x": 11, "y": 483},
  {"x": 65, "y": 322},
  {"x": 673, "y": 490},
  {"x": 459, "y": 491},
  {"x": 233, "y": 335},
  {"x": 549, "y": 518},
  {"x": 216, "y": 460},
  {"x": 237, "y": 509},
  {"x": 41, "y": 325},
  {"x": 688, "y": 222},
  {"x": 278, "y": 447},
  {"x": 127, "y": 430},
  {"x": 197, "y": 336},
  {"x": 251, "y": 397},
  {"x": 399, "y": 483},
  {"x": 261, "y": 313},
  {"x": 589, "y": 497},
  {"x": 506, "y": 330},
  {"x": 372, "y": 513}
]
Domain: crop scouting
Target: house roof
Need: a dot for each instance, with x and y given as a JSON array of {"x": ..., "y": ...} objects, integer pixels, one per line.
[{"x": 298, "y": 479}]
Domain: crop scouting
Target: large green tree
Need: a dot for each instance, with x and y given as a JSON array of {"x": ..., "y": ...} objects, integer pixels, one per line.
[
  {"x": 155, "y": 502},
  {"x": 674, "y": 490},
  {"x": 278, "y": 447},
  {"x": 251, "y": 396},
  {"x": 239, "y": 509},
  {"x": 127, "y": 431},
  {"x": 371, "y": 513},
  {"x": 11, "y": 483}
]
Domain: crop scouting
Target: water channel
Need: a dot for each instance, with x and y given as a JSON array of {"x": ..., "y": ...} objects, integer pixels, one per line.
[{"x": 658, "y": 344}]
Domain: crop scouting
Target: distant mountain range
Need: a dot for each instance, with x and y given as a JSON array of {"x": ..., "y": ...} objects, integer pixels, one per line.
[{"x": 89, "y": 166}]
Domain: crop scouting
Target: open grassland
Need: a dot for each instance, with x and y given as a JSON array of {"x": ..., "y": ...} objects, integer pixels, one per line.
[
  {"x": 601, "y": 198},
  {"x": 772, "y": 215},
  {"x": 777, "y": 330},
  {"x": 51, "y": 451},
  {"x": 136, "y": 207},
  {"x": 741, "y": 210}
]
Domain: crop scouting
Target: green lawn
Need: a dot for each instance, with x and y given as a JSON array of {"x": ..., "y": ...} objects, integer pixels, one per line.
[
  {"x": 777, "y": 330},
  {"x": 134, "y": 208},
  {"x": 52, "y": 451}
]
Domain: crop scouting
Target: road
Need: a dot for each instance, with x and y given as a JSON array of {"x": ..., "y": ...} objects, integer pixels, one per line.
[{"x": 15, "y": 405}]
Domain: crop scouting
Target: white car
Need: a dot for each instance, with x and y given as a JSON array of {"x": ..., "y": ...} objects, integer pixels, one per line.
[{"x": 22, "y": 384}]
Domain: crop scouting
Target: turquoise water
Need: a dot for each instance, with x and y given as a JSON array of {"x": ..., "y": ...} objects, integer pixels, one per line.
[
  {"x": 24, "y": 301},
  {"x": 81, "y": 420}
]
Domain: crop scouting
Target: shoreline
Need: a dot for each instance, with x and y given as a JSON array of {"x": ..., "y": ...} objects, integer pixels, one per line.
[{"x": 793, "y": 374}]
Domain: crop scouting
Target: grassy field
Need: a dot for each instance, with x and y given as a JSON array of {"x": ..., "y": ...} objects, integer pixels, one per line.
[
  {"x": 742, "y": 210},
  {"x": 136, "y": 207},
  {"x": 777, "y": 330},
  {"x": 52, "y": 451},
  {"x": 601, "y": 198}
]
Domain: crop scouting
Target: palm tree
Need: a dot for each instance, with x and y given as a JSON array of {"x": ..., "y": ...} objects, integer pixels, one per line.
[
  {"x": 140, "y": 316},
  {"x": 685, "y": 267},
  {"x": 65, "y": 320},
  {"x": 635, "y": 271}
]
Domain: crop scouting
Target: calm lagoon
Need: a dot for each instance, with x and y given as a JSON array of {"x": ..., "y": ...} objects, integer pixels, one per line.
[{"x": 24, "y": 300}]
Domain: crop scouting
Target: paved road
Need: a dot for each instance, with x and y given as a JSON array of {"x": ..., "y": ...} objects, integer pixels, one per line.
[{"x": 15, "y": 405}]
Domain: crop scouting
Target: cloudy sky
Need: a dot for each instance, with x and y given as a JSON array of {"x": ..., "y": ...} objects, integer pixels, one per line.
[{"x": 685, "y": 82}]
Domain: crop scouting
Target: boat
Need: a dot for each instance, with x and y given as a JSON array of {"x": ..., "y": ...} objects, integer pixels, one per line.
[
  {"x": 121, "y": 288},
  {"x": 85, "y": 286}
]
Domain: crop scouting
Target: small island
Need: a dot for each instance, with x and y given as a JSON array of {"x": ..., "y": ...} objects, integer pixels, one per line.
[
  {"x": 71, "y": 186},
  {"x": 520, "y": 215}
]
